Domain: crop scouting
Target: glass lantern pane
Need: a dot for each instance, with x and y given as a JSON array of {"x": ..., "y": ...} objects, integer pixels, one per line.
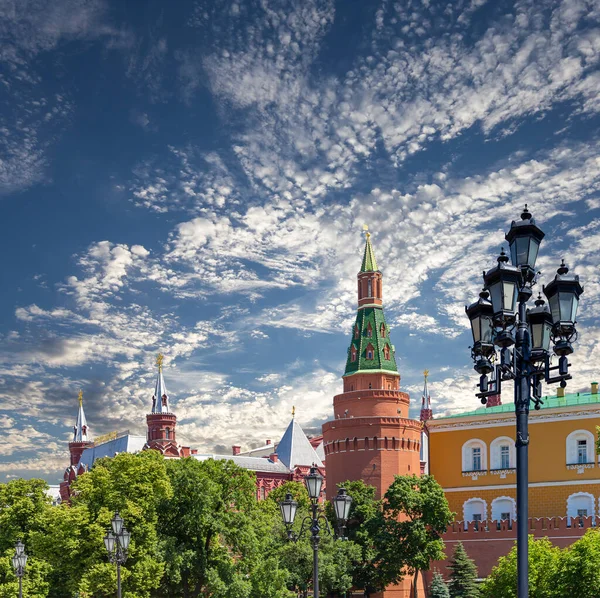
[
  {"x": 476, "y": 330},
  {"x": 536, "y": 335},
  {"x": 522, "y": 244},
  {"x": 546, "y": 336},
  {"x": 486, "y": 329},
  {"x": 554, "y": 308},
  {"x": 534, "y": 247},
  {"x": 566, "y": 306},
  {"x": 574, "y": 308},
  {"x": 509, "y": 296},
  {"x": 496, "y": 296}
]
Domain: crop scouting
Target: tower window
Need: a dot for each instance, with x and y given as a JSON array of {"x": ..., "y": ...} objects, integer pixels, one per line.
[
  {"x": 168, "y": 434},
  {"x": 356, "y": 332},
  {"x": 386, "y": 352},
  {"x": 369, "y": 352},
  {"x": 353, "y": 353},
  {"x": 369, "y": 331},
  {"x": 369, "y": 288},
  {"x": 382, "y": 330},
  {"x": 504, "y": 457}
]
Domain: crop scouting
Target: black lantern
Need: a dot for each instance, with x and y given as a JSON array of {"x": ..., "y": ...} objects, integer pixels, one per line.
[
  {"x": 109, "y": 542},
  {"x": 288, "y": 509},
  {"x": 540, "y": 329},
  {"x": 481, "y": 315},
  {"x": 503, "y": 284},
  {"x": 314, "y": 481},
  {"x": 117, "y": 523},
  {"x": 524, "y": 238},
  {"x": 341, "y": 504},
  {"x": 563, "y": 297}
]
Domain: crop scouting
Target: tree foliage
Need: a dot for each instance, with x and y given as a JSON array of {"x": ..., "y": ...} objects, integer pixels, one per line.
[
  {"x": 463, "y": 575},
  {"x": 438, "y": 588}
]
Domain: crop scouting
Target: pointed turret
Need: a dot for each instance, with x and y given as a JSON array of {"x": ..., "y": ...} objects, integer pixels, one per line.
[
  {"x": 370, "y": 350},
  {"x": 426, "y": 412},
  {"x": 161, "y": 422},
  {"x": 160, "y": 398},
  {"x": 294, "y": 448},
  {"x": 81, "y": 436}
]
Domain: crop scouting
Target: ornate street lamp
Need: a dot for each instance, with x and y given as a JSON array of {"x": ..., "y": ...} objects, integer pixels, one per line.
[
  {"x": 523, "y": 338},
  {"x": 19, "y": 560},
  {"x": 342, "y": 502},
  {"x": 117, "y": 543}
]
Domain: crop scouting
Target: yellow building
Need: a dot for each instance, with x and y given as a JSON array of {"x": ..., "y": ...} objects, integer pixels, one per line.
[{"x": 473, "y": 457}]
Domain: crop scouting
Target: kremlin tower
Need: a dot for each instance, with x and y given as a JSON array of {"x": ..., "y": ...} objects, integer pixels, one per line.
[
  {"x": 81, "y": 439},
  {"x": 161, "y": 422}
]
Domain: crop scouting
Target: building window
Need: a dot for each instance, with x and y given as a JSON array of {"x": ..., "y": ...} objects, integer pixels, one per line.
[
  {"x": 168, "y": 434},
  {"x": 504, "y": 516},
  {"x": 353, "y": 353},
  {"x": 382, "y": 330},
  {"x": 262, "y": 494},
  {"x": 369, "y": 351},
  {"x": 474, "y": 456},
  {"x": 582, "y": 512},
  {"x": 356, "y": 332},
  {"x": 476, "y": 462},
  {"x": 474, "y": 509},
  {"x": 580, "y": 505},
  {"x": 386, "y": 352},
  {"x": 582, "y": 452},
  {"x": 369, "y": 331},
  {"x": 369, "y": 288},
  {"x": 504, "y": 508},
  {"x": 504, "y": 457},
  {"x": 577, "y": 446}
]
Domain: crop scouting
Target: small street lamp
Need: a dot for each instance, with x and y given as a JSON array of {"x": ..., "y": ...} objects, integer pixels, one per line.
[
  {"x": 117, "y": 543},
  {"x": 19, "y": 561},
  {"x": 289, "y": 507},
  {"x": 522, "y": 337}
]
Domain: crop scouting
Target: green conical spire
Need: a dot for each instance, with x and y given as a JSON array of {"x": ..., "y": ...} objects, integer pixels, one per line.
[{"x": 369, "y": 264}]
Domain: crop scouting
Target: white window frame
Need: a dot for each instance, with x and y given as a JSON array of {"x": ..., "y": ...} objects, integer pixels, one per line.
[
  {"x": 580, "y": 500},
  {"x": 474, "y": 506},
  {"x": 499, "y": 506},
  {"x": 496, "y": 452},
  {"x": 572, "y": 446},
  {"x": 467, "y": 455}
]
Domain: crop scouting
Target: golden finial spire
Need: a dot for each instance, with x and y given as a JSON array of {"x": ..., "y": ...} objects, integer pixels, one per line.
[
  {"x": 159, "y": 361},
  {"x": 426, "y": 373},
  {"x": 366, "y": 229},
  {"x": 293, "y": 411},
  {"x": 80, "y": 397}
]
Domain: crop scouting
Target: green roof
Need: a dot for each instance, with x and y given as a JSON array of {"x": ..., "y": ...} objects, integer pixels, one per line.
[
  {"x": 368, "y": 324},
  {"x": 369, "y": 264},
  {"x": 549, "y": 402}
]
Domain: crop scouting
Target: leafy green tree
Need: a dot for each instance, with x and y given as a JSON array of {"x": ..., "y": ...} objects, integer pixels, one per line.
[
  {"x": 214, "y": 534},
  {"x": 578, "y": 570},
  {"x": 415, "y": 514},
  {"x": 438, "y": 589},
  {"x": 463, "y": 575},
  {"x": 544, "y": 560}
]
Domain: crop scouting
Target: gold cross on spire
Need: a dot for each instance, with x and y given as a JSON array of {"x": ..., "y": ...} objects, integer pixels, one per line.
[
  {"x": 293, "y": 411},
  {"x": 366, "y": 229},
  {"x": 159, "y": 361},
  {"x": 426, "y": 373},
  {"x": 80, "y": 397}
]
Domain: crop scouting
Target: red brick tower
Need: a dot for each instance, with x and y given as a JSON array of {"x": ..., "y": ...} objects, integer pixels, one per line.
[
  {"x": 371, "y": 436},
  {"x": 161, "y": 422}
]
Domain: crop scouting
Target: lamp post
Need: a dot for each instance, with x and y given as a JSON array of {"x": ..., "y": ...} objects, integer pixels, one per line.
[
  {"x": 117, "y": 543},
  {"x": 522, "y": 338},
  {"x": 19, "y": 561},
  {"x": 341, "y": 503}
]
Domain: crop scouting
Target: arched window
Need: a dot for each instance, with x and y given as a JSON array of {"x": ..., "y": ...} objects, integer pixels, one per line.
[
  {"x": 504, "y": 508},
  {"x": 382, "y": 330},
  {"x": 167, "y": 433},
  {"x": 356, "y": 331},
  {"x": 353, "y": 353},
  {"x": 580, "y": 447},
  {"x": 474, "y": 456},
  {"x": 367, "y": 443},
  {"x": 369, "y": 331},
  {"x": 369, "y": 352},
  {"x": 386, "y": 352},
  {"x": 475, "y": 509},
  {"x": 355, "y": 444},
  {"x": 581, "y": 504},
  {"x": 369, "y": 288},
  {"x": 503, "y": 453},
  {"x": 262, "y": 493}
]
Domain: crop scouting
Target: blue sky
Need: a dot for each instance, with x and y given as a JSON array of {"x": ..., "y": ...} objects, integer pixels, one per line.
[{"x": 193, "y": 177}]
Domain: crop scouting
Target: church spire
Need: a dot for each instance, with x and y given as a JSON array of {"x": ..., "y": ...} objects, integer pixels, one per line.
[
  {"x": 160, "y": 398},
  {"x": 426, "y": 412},
  {"x": 80, "y": 430},
  {"x": 369, "y": 264}
]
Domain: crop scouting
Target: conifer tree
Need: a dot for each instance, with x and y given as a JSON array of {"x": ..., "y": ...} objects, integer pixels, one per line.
[
  {"x": 463, "y": 576},
  {"x": 438, "y": 588}
]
